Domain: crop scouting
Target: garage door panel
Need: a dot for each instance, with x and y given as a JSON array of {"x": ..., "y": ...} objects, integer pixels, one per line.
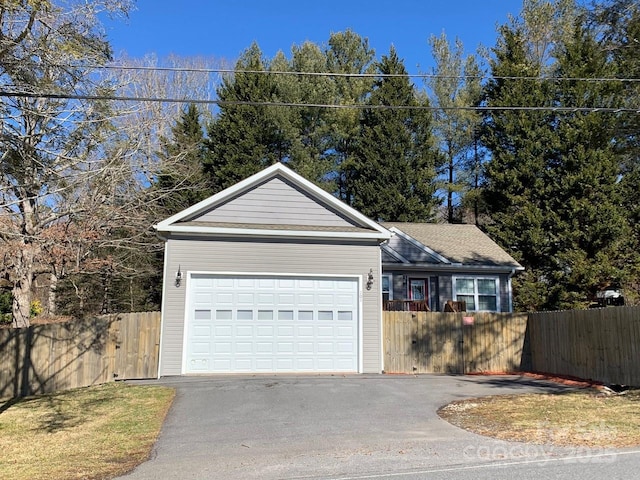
[
  {"x": 220, "y": 282},
  {"x": 265, "y": 364},
  {"x": 325, "y": 347},
  {"x": 284, "y": 347},
  {"x": 285, "y": 365},
  {"x": 244, "y": 347},
  {"x": 222, "y": 347},
  {"x": 221, "y": 365},
  {"x": 345, "y": 332},
  {"x": 199, "y": 365},
  {"x": 324, "y": 300},
  {"x": 306, "y": 300},
  {"x": 305, "y": 283},
  {"x": 286, "y": 299},
  {"x": 324, "y": 332},
  {"x": 305, "y": 331},
  {"x": 201, "y": 348},
  {"x": 247, "y": 299},
  {"x": 305, "y": 347},
  {"x": 264, "y": 331},
  {"x": 223, "y": 299},
  {"x": 244, "y": 331},
  {"x": 343, "y": 300},
  {"x": 266, "y": 299},
  {"x": 264, "y": 347},
  {"x": 345, "y": 347},
  {"x": 326, "y": 364},
  {"x": 272, "y": 324},
  {"x": 222, "y": 331}
]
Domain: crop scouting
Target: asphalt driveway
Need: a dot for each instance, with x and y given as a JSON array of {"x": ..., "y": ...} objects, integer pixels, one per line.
[{"x": 347, "y": 427}]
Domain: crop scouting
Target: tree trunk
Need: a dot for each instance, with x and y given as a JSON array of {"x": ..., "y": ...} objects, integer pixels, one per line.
[
  {"x": 51, "y": 300},
  {"x": 22, "y": 302},
  {"x": 450, "y": 168},
  {"x": 21, "y": 308}
]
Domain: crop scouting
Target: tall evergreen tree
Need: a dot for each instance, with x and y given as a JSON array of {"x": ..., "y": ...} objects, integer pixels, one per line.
[
  {"x": 552, "y": 182},
  {"x": 310, "y": 143},
  {"x": 347, "y": 53},
  {"x": 394, "y": 167},
  {"x": 455, "y": 83},
  {"x": 619, "y": 21},
  {"x": 245, "y": 137},
  {"x": 181, "y": 182},
  {"x": 518, "y": 174}
]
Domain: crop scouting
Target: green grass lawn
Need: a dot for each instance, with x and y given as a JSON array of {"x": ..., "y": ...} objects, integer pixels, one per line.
[{"x": 89, "y": 433}]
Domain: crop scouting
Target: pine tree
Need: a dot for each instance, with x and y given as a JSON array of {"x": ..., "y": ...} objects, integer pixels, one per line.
[
  {"x": 591, "y": 226},
  {"x": 310, "y": 125},
  {"x": 553, "y": 180},
  {"x": 181, "y": 182},
  {"x": 246, "y": 137},
  {"x": 455, "y": 83},
  {"x": 517, "y": 176},
  {"x": 347, "y": 53},
  {"x": 394, "y": 166}
]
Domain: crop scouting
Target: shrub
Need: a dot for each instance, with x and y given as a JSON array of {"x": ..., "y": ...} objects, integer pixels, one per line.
[
  {"x": 36, "y": 308},
  {"x": 5, "y": 301}
]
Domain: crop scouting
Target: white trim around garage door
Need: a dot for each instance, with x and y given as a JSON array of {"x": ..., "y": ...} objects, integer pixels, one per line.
[{"x": 188, "y": 303}]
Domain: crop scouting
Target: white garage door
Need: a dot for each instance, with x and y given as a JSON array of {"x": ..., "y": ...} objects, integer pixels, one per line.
[{"x": 272, "y": 324}]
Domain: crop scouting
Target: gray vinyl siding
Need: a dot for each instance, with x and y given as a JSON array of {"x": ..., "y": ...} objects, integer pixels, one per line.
[
  {"x": 409, "y": 251},
  {"x": 269, "y": 257},
  {"x": 275, "y": 202}
]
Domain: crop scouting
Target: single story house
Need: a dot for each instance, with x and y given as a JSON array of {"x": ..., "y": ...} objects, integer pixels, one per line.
[
  {"x": 274, "y": 274},
  {"x": 438, "y": 263}
]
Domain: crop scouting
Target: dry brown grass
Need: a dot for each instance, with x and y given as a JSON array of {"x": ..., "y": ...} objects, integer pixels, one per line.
[
  {"x": 581, "y": 418},
  {"x": 88, "y": 433}
]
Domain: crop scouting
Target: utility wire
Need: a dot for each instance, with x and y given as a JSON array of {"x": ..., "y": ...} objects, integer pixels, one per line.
[
  {"x": 350, "y": 75},
  {"x": 57, "y": 96}
]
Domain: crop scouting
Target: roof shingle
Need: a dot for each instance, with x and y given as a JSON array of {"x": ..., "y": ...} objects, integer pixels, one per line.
[{"x": 460, "y": 243}]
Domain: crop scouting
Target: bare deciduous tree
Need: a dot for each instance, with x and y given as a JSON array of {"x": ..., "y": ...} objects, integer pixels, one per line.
[{"x": 51, "y": 147}]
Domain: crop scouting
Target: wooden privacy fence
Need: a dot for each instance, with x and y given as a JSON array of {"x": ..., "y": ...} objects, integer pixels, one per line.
[
  {"x": 437, "y": 342},
  {"x": 599, "y": 344},
  {"x": 48, "y": 358}
]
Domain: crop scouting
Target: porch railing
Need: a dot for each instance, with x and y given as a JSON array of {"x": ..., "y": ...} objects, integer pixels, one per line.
[{"x": 405, "y": 306}]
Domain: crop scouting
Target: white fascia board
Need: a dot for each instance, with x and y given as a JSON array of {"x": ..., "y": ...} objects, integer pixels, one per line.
[
  {"x": 278, "y": 168},
  {"x": 412, "y": 240},
  {"x": 394, "y": 254},
  {"x": 254, "y": 232}
]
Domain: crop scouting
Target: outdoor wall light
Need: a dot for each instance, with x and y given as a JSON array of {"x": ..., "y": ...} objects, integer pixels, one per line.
[
  {"x": 178, "y": 277},
  {"x": 370, "y": 279}
]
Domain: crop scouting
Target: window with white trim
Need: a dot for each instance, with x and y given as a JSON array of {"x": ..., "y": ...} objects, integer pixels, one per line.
[
  {"x": 387, "y": 290},
  {"x": 481, "y": 294}
]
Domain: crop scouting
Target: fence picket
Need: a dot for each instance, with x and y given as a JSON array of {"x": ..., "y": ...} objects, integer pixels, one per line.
[{"x": 47, "y": 358}]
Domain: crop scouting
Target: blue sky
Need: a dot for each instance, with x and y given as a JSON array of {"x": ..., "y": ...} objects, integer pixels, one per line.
[{"x": 222, "y": 29}]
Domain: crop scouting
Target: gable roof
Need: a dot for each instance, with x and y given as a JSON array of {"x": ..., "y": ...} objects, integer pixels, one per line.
[
  {"x": 457, "y": 244},
  {"x": 260, "y": 204}
]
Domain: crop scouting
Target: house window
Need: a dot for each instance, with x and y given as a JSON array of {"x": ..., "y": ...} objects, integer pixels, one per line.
[
  {"x": 387, "y": 291},
  {"x": 480, "y": 294},
  {"x": 417, "y": 289}
]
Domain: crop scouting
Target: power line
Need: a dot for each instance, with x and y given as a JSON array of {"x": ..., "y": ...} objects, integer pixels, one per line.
[
  {"x": 227, "y": 71},
  {"x": 222, "y": 103}
]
